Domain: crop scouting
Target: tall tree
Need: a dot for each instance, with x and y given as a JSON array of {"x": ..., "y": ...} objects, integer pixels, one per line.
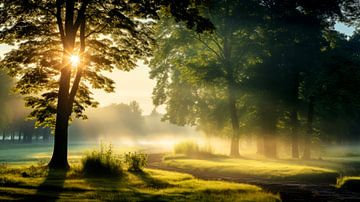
[
  {"x": 104, "y": 34},
  {"x": 210, "y": 59}
]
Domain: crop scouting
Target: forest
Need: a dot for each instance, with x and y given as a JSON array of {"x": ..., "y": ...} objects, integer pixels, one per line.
[{"x": 253, "y": 100}]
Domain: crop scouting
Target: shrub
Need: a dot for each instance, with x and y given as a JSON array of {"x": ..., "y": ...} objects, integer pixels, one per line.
[
  {"x": 135, "y": 161},
  {"x": 187, "y": 147},
  {"x": 35, "y": 171},
  {"x": 101, "y": 162}
]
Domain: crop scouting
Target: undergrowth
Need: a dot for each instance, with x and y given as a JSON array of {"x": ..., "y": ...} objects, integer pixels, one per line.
[{"x": 103, "y": 162}]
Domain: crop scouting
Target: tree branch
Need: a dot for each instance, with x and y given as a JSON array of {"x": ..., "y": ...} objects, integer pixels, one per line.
[
  {"x": 59, "y": 20},
  {"x": 81, "y": 14},
  {"x": 96, "y": 30},
  {"x": 198, "y": 37}
]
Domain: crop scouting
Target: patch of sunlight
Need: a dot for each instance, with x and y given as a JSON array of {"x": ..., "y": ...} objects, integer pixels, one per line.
[{"x": 267, "y": 169}]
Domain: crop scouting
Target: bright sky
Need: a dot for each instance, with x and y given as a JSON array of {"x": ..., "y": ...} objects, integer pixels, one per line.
[
  {"x": 136, "y": 84},
  {"x": 132, "y": 85}
]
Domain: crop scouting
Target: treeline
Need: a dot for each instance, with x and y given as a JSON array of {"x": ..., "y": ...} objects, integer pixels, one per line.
[
  {"x": 14, "y": 128},
  {"x": 118, "y": 121},
  {"x": 270, "y": 69}
]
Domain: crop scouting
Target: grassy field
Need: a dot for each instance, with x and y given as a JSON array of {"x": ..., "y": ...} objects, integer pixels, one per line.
[
  {"x": 258, "y": 169},
  {"x": 38, "y": 183},
  {"x": 27, "y": 154}
]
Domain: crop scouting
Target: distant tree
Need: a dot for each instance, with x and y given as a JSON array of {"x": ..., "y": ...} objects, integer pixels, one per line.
[
  {"x": 187, "y": 65},
  {"x": 105, "y": 34}
]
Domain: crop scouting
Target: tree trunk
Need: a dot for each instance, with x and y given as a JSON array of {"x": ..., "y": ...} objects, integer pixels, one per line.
[
  {"x": 234, "y": 150},
  {"x": 19, "y": 140},
  {"x": 12, "y": 136},
  {"x": 294, "y": 134},
  {"x": 310, "y": 118},
  {"x": 60, "y": 152},
  {"x": 66, "y": 95}
]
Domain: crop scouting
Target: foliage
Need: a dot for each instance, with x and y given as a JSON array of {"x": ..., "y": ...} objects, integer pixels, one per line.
[
  {"x": 45, "y": 39},
  {"x": 103, "y": 162},
  {"x": 135, "y": 161},
  {"x": 260, "y": 71}
]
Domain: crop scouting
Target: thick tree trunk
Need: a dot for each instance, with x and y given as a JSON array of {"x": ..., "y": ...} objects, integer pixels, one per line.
[
  {"x": 60, "y": 152},
  {"x": 234, "y": 150},
  {"x": 294, "y": 134},
  {"x": 310, "y": 118}
]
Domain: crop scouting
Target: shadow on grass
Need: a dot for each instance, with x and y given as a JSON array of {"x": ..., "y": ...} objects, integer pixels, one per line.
[
  {"x": 111, "y": 188},
  {"x": 52, "y": 186},
  {"x": 151, "y": 182},
  {"x": 126, "y": 188}
]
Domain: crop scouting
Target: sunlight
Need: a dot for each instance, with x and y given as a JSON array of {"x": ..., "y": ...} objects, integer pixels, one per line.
[{"x": 75, "y": 60}]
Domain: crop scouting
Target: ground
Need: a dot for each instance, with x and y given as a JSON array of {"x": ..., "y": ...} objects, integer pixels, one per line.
[
  {"x": 37, "y": 183},
  {"x": 294, "y": 180}
]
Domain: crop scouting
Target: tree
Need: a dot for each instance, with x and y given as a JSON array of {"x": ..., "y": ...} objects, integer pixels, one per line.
[
  {"x": 104, "y": 34},
  {"x": 188, "y": 64}
]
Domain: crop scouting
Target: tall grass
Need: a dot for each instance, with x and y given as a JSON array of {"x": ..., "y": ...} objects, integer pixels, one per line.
[
  {"x": 192, "y": 149},
  {"x": 135, "y": 161},
  {"x": 103, "y": 162}
]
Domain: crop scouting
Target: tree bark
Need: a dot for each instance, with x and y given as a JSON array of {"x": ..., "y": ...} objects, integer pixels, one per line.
[
  {"x": 294, "y": 134},
  {"x": 309, "y": 123},
  {"x": 234, "y": 150},
  {"x": 294, "y": 117},
  {"x": 59, "y": 157}
]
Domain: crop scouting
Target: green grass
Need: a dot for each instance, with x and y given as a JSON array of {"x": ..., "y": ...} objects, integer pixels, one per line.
[
  {"x": 264, "y": 169},
  {"x": 150, "y": 185}
]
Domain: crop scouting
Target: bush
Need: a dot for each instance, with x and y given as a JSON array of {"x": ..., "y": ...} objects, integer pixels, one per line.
[
  {"x": 135, "y": 161},
  {"x": 187, "y": 147},
  {"x": 101, "y": 163}
]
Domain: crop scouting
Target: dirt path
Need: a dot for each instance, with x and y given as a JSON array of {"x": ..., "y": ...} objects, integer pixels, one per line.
[{"x": 288, "y": 190}]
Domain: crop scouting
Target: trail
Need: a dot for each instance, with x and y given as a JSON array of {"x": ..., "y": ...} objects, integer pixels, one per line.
[{"x": 293, "y": 191}]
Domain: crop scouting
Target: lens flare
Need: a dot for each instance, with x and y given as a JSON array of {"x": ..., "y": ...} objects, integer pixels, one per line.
[{"x": 75, "y": 60}]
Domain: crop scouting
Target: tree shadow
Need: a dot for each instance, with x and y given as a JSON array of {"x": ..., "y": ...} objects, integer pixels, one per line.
[
  {"x": 52, "y": 187},
  {"x": 150, "y": 181},
  {"x": 110, "y": 188}
]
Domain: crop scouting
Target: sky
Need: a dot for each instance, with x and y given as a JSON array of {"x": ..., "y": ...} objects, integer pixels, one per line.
[{"x": 136, "y": 84}]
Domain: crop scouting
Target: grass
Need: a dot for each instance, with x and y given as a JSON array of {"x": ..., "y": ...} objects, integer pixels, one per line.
[
  {"x": 149, "y": 185},
  {"x": 257, "y": 169}
]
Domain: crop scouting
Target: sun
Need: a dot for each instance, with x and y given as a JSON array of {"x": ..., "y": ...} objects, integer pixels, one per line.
[{"x": 75, "y": 60}]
